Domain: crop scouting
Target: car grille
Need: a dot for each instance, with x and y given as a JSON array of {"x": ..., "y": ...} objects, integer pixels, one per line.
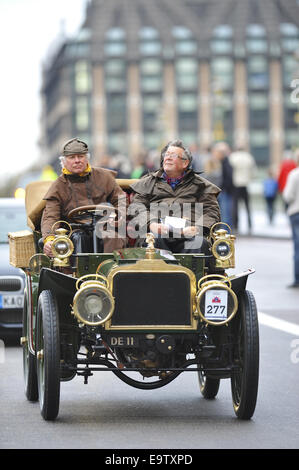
[
  {"x": 11, "y": 315},
  {"x": 10, "y": 284},
  {"x": 151, "y": 299}
]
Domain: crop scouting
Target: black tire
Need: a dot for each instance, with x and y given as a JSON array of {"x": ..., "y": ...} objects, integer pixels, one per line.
[
  {"x": 244, "y": 383},
  {"x": 29, "y": 363},
  {"x": 208, "y": 387},
  {"x": 48, "y": 355}
]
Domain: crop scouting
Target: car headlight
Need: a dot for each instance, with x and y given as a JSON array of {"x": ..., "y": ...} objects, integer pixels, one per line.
[
  {"x": 93, "y": 303},
  {"x": 222, "y": 249},
  {"x": 217, "y": 303},
  {"x": 62, "y": 247}
]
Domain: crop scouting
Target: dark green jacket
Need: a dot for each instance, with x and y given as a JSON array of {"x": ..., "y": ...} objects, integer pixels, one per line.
[{"x": 192, "y": 188}]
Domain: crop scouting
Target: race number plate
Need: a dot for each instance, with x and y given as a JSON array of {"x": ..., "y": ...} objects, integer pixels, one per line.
[
  {"x": 11, "y": 301},
  {"x": 123, "y": 341},
  {"x": 216, "y": 305}
]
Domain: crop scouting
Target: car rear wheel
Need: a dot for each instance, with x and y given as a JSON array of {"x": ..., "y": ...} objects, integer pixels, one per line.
[
  {"x": 208, "y": 387},
  {"x": 48, "y": 355},
  {"x": 29, "y": 363},
  {"x": 244, "y": 381}
]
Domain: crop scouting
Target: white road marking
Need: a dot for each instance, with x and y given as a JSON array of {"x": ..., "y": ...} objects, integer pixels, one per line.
[{"x": 278, "y": 324}]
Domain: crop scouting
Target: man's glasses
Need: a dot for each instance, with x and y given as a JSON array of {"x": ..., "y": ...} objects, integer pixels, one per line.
[{"x": 174, "y": 155}]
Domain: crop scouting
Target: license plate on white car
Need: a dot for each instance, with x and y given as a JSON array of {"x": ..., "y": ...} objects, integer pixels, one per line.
[{"x": 11, "y": 301}]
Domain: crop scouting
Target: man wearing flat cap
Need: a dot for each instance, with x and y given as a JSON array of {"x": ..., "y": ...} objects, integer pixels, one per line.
[{"x": 79, "y": 185}]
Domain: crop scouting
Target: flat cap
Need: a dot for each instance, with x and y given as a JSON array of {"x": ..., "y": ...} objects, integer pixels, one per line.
[{"x": 74, "y": 146}]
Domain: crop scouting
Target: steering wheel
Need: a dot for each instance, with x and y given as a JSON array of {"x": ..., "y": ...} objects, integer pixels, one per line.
[{"x": 101, "y": 210}]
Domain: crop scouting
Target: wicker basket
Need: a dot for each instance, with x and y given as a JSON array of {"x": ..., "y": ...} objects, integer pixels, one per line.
[{"x": 21, "y": 248}]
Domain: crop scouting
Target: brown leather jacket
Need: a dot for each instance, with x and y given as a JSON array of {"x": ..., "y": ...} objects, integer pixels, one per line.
[
  {"x": 71, "y": 191},
  {"x": 193, "y": 188}
]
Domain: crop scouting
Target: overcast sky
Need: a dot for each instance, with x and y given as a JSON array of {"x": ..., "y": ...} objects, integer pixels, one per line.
[{"x": 27, "y": 29}]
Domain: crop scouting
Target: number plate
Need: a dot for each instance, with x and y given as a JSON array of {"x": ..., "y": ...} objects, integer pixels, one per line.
[
  {"x": 11, "y": 301},
  {"x": 216, "y": 305},
  {"x": 123, "y": 341}
]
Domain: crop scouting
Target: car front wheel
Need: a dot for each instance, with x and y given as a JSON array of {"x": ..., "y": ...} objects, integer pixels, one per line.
[
  {"x": 244, "y": 380},
  {"x": 48, "y": 355}
]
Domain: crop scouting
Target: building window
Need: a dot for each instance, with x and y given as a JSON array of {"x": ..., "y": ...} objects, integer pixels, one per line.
[
  {"x": 187, "y": 113},
  {"x": 223, "y": 31},
  {"x": 257, "y": 46},
  {"x": 116, "y": 112},
  {"x": 185, "y": 44},
  {"x": 152, "y": 141},
  {"x": 222, "y": 73},
  {"x": 151, "y": 75},
  {"x": 151, "y": 48},
  {"x": 82, "y": 77},
  {"x": 115, "y": 34},
  {"x": 82, "y": 113},
  {"x": 115, "y": 75},
  {"x": 148, "y": 33},
  {"x": 152, "y": 109},
  {"x": 115, "y": 44},
  {"x": 257, "y": 72},
  {"x": 290, "y": 69},
  {"x": 288, "y": 29},
  {"x": 256, "y": 39},
  {"x": 256, "y": 31},
  {"x": 258, "y": 111},
  {"x": 188, "y": 47},
  {"x": 222, "y": 106},
  {"x": 220, "y": 46},
  {"x": 115, "y": 48},
  {"x": 117, "y": 142},
  {"x": 291, "y": 121},
  {"x": 149, "y": 44},
  {"x": 290, "y": 44},
  {"x": 186, "y": 71},
  {"x": 259, "y": 126}
]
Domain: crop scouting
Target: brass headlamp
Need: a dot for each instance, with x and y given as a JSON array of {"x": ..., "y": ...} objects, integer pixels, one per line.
[
  {"x": 62, "y": 246},
  {"x": 216, "y": 302},
  {"x": 223, "y": 246},
  {"x": 93, "y": 302}
]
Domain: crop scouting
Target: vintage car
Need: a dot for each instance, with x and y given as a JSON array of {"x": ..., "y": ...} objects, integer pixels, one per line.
[{"x": 143, "y": 314}]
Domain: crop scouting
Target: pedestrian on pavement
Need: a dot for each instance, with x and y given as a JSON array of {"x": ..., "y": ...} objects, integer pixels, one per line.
[
  {"x": 288, "y": 164},
  {"x": 80, "y": 185},
  {"x": 291, "y": 196},
  {"x": 270, "y": 187},
  {"x": 244, "y": 167},
  {"x": 220, "y": 152}
]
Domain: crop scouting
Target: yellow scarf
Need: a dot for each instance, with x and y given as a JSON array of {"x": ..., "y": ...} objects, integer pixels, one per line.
[{"x": 84, "y": 173}]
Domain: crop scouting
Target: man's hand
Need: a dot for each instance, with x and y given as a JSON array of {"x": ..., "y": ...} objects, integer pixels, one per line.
[
  {"x": 48, "y": 248},
  {"x": 159, "y": 229},
  {"x": 190, "y": 232}
]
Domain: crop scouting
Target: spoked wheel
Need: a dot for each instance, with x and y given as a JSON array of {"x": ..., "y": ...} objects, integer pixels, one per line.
[
  {"x": 29, "y": 365},
  {"x": 244, "y": 382},
  {"x": 208, "y": 387},
  {"x": 48, "y": 355}
]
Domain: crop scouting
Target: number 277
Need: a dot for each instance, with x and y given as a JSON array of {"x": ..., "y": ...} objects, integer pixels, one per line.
[{"x": 213, "y": 309}]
